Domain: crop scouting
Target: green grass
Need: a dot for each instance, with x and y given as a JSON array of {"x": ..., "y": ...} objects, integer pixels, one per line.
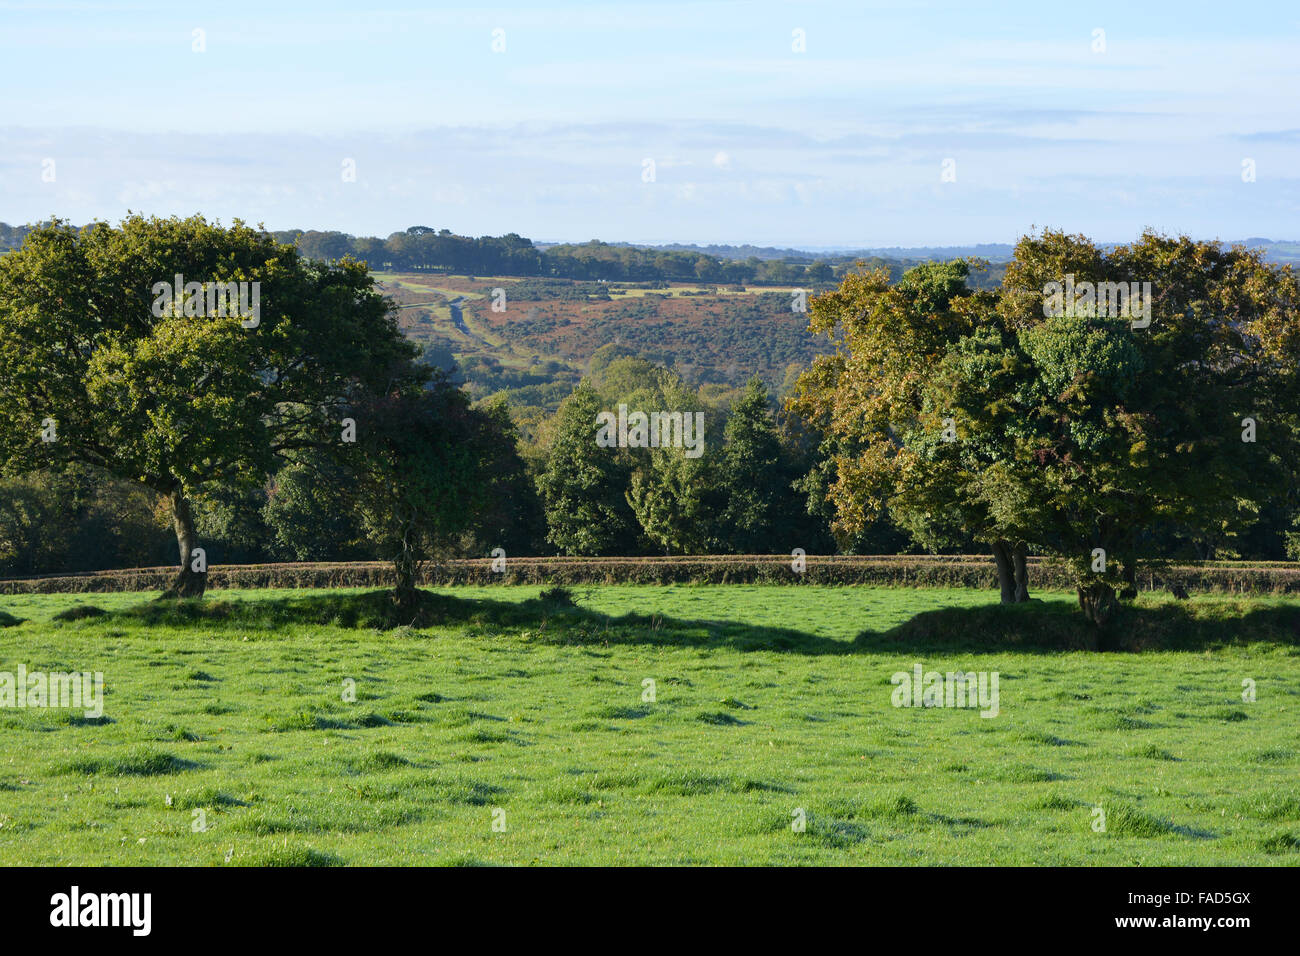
[{"x": 769, "y": 702}]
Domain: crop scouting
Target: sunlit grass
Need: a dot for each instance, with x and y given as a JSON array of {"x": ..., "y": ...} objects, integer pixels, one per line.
[{"x": 769, "y": 703}]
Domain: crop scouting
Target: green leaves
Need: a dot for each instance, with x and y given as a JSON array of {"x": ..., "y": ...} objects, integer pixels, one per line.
[
  {"x": 756, "y": 479},
  {"x": 583, "y": 484},
  {"x": 180, "y": 400},
  {"x": 1071, "y": 433},
  {"x": 673, "y": 499},
  {"x": 420, "y": 465}
]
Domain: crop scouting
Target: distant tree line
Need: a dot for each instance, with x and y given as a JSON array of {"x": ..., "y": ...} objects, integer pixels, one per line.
[{"x": 422, "y": 248}]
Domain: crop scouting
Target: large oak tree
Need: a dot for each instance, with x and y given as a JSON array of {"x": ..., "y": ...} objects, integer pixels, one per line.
[
  {"x": 1183, "y": 419},
  {"x": 1078, "y": 434},
  {"x": 182, "y": 402},
  {"x": 893, "y": 440}
]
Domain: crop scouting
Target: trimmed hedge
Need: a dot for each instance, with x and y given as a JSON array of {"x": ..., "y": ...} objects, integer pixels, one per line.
[{"x": 970, "y": 571}]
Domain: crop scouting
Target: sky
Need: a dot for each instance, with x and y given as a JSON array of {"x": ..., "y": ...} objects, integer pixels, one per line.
[{"x": 800, "y": 124}]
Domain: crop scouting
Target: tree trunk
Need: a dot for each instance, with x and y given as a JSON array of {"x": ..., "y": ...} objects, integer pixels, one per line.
[
  {"x": 406, "y": 567},
  {"x": 1006, "y": 574},
  {"x": 188, "y": 583},
  {"x": 1097, "y": 601},
  {"x": 404, "y": 592},
  {"x": 1021, "y": 573},
  {"x": 1130, "y": 589}
]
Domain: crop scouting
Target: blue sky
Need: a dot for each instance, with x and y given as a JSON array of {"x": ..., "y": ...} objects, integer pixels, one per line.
[{"x": 840, "y": 145}]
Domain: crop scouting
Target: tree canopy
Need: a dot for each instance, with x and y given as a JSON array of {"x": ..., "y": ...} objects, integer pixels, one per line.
[
  {"x": 92, "y": 370},
  {"x": 1081, "y": 433}
]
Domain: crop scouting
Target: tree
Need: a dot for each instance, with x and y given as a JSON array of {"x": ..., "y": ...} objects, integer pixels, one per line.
[
  {"x": 673, "y": 498},
  {"x": 889, "y": 442},
  {"x": 1184, "y": 417},
  {"x": 229, "y": 519},
  {"x": 820, "y": 271},
  {"x": 1087, "y": 431},
  {"x": 324, "y": 245},
  {"x": 512, "y": 518},
  {"x": 673, "y": 492},
  {"x": 582, "y": 485},
  {"x": 309, "y": 511},
  {"x": 77, "y": 519},
  {"x": 423, "y": 475},
  {"x": 756, "y": 479},
  {"x": 1048, "y": 444},
  {"x": 962, "y": 456},
  {"x": 97, "y": 366}
]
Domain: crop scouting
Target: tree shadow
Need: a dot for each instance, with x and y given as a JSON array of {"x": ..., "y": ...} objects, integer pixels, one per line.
[
  {"x": 1046, "y": 627},
  {"x": 1056, "y": 626},
  {"x": 553, "y": 619}
]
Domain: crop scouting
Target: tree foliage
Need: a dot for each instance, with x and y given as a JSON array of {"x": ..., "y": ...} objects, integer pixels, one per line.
[
  {"x": 1085, "y": 434},
  {"x": 181, "y": 401},
  {"x": 583, "y": 484},
  {"x": 422, "y": 473}
]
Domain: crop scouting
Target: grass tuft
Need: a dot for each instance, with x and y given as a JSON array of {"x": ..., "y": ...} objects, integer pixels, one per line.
[
  {"x": 79, "y": 612},
  {"x": 1271, "y": 805},
  {"x": 1280, "y": 843},
  {"x": 136, "y": 763},
  {"x": 1152, "y": 752},
  {"x": 296, "y": 856},
  {"x": 1125, "y": 820}
]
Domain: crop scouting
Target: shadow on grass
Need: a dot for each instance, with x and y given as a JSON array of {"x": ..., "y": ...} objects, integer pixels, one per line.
[
  {"x": 551, "y": 618},
  {"x": 1058, "y": 626},
  {"x": 1035, "y": 627}
]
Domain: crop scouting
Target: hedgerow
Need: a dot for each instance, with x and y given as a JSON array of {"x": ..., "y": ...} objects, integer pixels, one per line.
[{"x": 970, "y": 571}]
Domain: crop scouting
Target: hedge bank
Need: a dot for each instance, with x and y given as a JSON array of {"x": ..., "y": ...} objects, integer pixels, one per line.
[{"x": 969, "y": 571}]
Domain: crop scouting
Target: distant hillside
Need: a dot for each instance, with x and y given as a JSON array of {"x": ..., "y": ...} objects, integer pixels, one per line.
[
  {"x": 735, "y": 253},
  {"x": 535, "y": 351},
  {"x": 994, "y": 252}
]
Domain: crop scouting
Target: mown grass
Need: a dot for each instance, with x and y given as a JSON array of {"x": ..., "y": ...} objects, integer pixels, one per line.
[{"x": 770, "y": 705}]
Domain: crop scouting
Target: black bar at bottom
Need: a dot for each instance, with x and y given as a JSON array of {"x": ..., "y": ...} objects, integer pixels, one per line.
[{"x": 335, "y": 905}]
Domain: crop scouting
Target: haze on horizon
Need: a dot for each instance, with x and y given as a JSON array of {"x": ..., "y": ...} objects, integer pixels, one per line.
[{"x": 840, "y": 145}]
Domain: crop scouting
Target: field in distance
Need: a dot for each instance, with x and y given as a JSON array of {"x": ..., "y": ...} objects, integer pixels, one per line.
[
  {"x": 532, "y": 715},
  {"x": 538, "y": 347}
]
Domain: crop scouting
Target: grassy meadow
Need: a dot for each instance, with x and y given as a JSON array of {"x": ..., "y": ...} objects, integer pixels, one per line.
[{"x": 516, "y": 730}]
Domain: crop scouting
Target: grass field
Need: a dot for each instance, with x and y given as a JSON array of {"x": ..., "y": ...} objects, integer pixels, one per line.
[{"x": 530, "y": 713}]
